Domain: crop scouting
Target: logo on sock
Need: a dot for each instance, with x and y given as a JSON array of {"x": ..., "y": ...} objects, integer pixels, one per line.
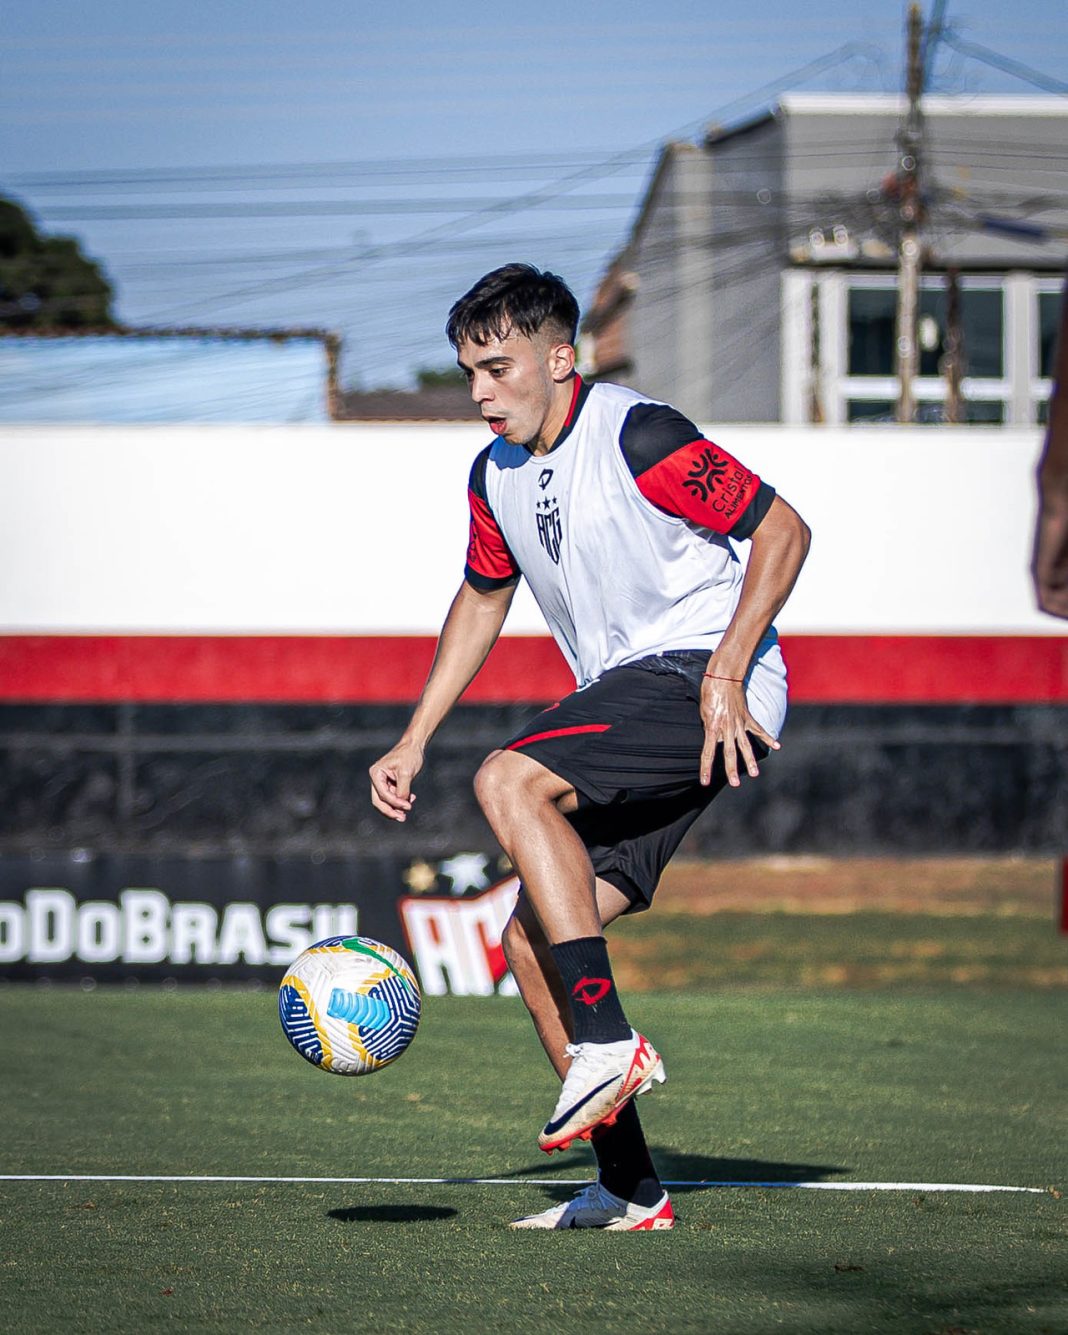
[{"x": 591, "y": 990}]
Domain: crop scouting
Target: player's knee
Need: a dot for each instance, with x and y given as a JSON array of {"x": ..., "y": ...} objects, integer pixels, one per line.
[
  {"x": 487, "y": 786},
  {"x": 497, "y": 784},
  {"x": 508, "y": 783}
]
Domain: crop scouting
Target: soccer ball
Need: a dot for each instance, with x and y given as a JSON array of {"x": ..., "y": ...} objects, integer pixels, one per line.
[{"x": 349, "y": 1005}]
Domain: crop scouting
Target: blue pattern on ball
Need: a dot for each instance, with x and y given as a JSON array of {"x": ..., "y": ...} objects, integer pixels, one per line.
[
  {"x": 298, "y": 1025},
  {"x": 360, "y": 1009},
  {"x": 403, "y": 1006}
]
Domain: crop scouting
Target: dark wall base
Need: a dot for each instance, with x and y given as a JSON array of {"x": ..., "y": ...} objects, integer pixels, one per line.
[{"x": 290, "y": 780}]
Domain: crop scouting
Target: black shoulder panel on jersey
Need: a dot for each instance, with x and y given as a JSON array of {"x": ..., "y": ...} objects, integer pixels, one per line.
[
  {"x": 651, "y": 432},
  {"x": 477, "y": 480},
  {"x": 754, "y": 512}
]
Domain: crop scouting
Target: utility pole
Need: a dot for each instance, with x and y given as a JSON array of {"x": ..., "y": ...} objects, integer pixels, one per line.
[
  {"x": 815, "y": 381},
  {"x": 953, "y": 360},
  {"x": 910, "y": 214}
]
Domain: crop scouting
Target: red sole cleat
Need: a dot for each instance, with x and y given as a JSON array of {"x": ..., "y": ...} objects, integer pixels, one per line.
[{"x": 645, "y": 1063}]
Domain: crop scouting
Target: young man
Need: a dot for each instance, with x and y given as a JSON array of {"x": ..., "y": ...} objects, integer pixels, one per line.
[{"x": 617, "y": 512}]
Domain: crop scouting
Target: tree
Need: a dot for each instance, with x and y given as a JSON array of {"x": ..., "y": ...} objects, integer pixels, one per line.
[
  {"x": 46, "y": 283},
  {"x": 439, "y": 377}
]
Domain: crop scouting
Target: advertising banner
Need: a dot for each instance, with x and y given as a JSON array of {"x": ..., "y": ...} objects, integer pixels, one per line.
[{"x": 77, "y": 917}]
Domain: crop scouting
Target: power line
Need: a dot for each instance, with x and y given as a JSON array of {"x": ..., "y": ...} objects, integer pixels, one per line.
[
  {"x": 326, "y": 208},
  {"x": 445, "y": 166},
  {"x": 561, "y": 186}
]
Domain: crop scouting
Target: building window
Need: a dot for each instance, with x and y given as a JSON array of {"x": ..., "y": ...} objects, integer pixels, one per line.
[
  {"x": 870, "y": 410},
  {"x": 841, "y": 333},
  {"x": 978, "y": 412},
  {"x": 1049, "y": 314},
  {"x": 872, "y": 313},
  {"x": 869, "y": 386},
  {"x": 987, "y": 412},
  {"x": 872, "y": 319}
]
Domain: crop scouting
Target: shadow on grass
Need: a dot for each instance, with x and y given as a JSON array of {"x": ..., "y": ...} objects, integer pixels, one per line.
[
  {"x": 675, "y": 1166},
  {"x": 391, "y": 1214}
]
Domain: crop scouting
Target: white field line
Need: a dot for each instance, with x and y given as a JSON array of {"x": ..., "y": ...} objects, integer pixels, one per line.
[{"x": 510, "y": 1182}]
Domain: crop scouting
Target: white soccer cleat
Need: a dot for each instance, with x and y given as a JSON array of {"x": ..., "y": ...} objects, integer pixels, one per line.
[
  {"x": 601, "y": 1079},
  {"x": 594, "y": 1207}
]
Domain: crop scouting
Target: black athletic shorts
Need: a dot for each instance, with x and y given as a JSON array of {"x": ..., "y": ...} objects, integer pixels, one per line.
[{"x": 630, "y": 745}]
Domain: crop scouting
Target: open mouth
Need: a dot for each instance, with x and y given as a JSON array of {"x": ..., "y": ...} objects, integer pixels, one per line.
[{"x": 497, "y": 425}]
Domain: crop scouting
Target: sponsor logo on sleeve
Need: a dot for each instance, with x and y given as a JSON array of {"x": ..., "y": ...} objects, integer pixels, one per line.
[{"x": 718, "y": 481}]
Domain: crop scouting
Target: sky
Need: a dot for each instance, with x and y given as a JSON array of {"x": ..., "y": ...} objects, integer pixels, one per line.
[{"x": 357, "y": 167}]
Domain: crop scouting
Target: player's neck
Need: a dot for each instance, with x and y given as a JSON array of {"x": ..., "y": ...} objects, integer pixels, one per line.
[{"x": 556, "y": 418}]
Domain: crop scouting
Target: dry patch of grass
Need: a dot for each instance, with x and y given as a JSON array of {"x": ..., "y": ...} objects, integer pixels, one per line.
[
  {"x": 944, "y": 887},
  {"x": 848, "y": 923},
  {"x": 676, "y": 951}
]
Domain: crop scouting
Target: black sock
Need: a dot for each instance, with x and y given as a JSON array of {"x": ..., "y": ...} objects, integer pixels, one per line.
[
  {"x": 596, "y": 1014},
  {"x": 623, "y": 1162}
]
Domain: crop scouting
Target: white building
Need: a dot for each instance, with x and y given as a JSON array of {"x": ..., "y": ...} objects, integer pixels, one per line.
[{"x": 759, "y": 280}]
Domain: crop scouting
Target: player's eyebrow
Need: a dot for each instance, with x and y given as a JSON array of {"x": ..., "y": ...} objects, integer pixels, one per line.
[{"x": 497, "y": 360}]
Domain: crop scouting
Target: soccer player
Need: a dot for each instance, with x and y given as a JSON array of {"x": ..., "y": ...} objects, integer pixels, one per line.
[
  {"x": 618, "y": 513},
  {"x": 1050, "y": 565}
]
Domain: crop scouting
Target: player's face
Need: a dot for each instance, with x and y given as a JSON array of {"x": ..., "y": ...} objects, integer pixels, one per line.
[{"x": 520, "y": 386}]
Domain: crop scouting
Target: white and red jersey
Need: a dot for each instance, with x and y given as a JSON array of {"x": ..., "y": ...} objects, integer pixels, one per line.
[{"x": 621, "y": 530}]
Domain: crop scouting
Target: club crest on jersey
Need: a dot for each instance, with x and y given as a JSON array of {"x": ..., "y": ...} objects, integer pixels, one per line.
[{"x": 549, "y": 529}]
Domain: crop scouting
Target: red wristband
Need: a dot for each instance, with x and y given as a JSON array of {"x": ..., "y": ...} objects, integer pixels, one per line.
[{"x": 714, "y": 676}]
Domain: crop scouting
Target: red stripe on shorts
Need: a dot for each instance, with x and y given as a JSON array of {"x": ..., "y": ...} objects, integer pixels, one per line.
[{"x": 558, "y": 732}]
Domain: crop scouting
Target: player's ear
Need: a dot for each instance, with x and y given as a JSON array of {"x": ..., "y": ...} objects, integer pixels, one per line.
[{"x": 561, "y": 361}]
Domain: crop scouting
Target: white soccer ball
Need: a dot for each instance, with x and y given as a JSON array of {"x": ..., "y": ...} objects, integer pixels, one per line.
[{"x": 349, "y": 1005}]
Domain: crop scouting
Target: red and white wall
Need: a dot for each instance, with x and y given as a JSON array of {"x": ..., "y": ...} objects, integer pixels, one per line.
[{"x": 315, "y": 563}]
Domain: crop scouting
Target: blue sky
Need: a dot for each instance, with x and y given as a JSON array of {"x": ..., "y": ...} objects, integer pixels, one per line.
[{"x": 357, "y": 166}]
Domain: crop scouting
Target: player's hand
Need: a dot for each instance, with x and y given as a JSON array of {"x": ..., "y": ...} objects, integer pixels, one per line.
[
  {"x": 728, "y": 723},
  {"x": 1050, "y": 565},
  {"x": 391, "y": 780}
]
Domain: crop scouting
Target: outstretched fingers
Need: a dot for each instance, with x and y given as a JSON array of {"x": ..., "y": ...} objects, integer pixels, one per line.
[{"x": 728, "y": 723}]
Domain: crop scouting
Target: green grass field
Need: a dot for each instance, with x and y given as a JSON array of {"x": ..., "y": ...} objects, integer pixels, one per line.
[{"x": 945, "y": 1077}]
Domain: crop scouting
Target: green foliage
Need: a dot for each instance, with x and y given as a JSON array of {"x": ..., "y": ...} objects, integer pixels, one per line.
[
  {"x": 46, "y": 283},
  {"x": 439, "y": 377}
]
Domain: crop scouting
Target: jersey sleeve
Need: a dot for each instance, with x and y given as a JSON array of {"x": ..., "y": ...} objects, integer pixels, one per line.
[
  {"x": 490, "y": 565},
  {"x": 687, "y": 476}
]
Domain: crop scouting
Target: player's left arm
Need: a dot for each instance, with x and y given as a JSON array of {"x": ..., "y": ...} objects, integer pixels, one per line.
[
  {"x": 691, "y": 478},
  {"x": 779, "y": 545},
  {"x": 1049, "y": 567}
]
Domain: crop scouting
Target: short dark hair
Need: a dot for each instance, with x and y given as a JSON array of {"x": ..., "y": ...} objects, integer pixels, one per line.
[{"x": 516, "y": 298}]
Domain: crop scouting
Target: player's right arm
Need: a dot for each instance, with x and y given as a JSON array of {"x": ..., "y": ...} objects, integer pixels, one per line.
[{"x": 469, "y": 633}]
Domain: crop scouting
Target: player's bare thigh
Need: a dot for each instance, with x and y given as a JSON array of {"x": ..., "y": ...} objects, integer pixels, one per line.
[{"x": 506, "y": 774}]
